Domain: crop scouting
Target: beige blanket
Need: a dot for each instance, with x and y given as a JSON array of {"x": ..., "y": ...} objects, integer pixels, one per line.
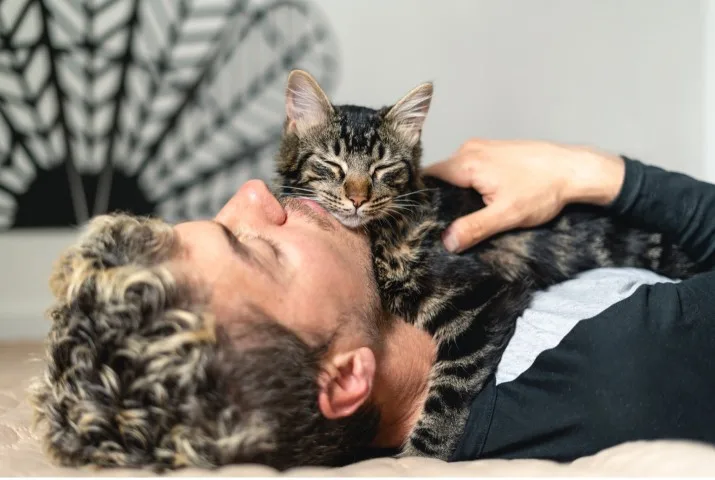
[{"x": 21, "y": 455}]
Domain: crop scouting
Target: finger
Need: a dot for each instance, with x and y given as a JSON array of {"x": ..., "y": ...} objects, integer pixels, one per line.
[
  {"x": 471, "y": 229},
  {"x": 475, "y": 144},
  {"x": 454, "y": 170}
]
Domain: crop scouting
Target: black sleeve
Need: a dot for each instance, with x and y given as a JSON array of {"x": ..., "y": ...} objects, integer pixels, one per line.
[
  {"x": 679, "y": 206},
  {"x": 639, "y": 370}
]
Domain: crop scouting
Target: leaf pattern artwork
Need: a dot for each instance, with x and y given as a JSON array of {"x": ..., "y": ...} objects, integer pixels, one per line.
[{"x": 146, "y": 106}]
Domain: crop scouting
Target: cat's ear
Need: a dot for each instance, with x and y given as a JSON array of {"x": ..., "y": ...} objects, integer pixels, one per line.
[
  {"x": 307, "y": 105},
  {"x": 408, "y": 115}
]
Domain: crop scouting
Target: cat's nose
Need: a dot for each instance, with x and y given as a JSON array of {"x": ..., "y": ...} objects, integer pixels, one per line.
[{"x": 358, "y": 200}]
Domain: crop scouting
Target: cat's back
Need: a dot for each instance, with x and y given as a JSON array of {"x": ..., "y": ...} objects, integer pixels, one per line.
[{"x": 450, "y": 202}]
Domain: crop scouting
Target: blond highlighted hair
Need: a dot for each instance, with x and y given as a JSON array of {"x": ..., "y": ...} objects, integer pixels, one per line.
[{"x": 139, "y": 374}]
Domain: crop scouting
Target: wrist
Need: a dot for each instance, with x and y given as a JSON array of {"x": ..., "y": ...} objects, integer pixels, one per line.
[{"x": 594, "y": 178}]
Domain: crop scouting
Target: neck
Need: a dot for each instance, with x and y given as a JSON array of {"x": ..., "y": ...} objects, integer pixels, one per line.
[{"x": 401, "y": 381}]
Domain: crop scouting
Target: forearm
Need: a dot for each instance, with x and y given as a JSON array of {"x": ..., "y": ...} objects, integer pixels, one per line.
[{"x": 680, "y": 207}]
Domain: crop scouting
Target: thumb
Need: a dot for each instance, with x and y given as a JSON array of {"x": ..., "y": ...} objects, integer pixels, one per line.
[{"x": 471, "y": 229}]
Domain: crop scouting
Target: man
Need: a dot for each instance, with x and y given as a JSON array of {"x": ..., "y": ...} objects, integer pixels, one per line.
[{"x": 258, "y": 336}]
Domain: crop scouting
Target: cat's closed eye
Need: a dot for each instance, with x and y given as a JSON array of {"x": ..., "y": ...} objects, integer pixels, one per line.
[
  {"x": 336, "y": 168},
  {"x": 386, "y": 172},
  {"x": 380, "y": 169}
]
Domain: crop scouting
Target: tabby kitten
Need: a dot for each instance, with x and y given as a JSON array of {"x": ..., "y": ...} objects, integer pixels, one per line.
[{"x": 362, "y": 165}]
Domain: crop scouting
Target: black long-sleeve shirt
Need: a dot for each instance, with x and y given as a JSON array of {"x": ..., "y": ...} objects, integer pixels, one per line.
[{"x": 644, "y": 368}]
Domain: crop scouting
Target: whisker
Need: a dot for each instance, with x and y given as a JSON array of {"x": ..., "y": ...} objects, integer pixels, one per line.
[
  {"x": 396, "y": 208},
  {"x": 401, "y": 211},
  {"x": 302, "y": 189},
  {"x": 306, "y": 197},
  {"x": 295, "y": 194},
  {"x": 411, "y": 206},
  {"x": 416, "y": 192},
  {"x": 392, "y": 216}
]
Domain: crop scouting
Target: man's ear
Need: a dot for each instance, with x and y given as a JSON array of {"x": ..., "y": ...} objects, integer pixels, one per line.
[
  {"x": 307, "y": 105},
  {"x": 408, "y": 115},
  {"x": 346, "y": 383}
]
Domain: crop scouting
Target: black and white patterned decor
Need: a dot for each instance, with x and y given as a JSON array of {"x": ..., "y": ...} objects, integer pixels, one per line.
[{"x": 148, "y": 106}]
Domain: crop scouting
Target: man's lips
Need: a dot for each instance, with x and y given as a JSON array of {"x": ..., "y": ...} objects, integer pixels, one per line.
[
  {"x": 311, "y": 210},
  {"x": 315, "y": 206}
]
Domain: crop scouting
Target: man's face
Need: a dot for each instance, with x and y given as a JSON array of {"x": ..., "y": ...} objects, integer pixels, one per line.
[{"x": 294, "y": 262}]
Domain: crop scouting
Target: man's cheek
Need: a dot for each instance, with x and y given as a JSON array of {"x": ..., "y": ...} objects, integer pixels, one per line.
[{"x": 317, "y": 251}]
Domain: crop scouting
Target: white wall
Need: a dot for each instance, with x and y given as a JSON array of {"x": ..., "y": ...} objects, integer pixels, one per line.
[
  {"x": 708, "y": 114},
  {"x": 625, "y": 75}
]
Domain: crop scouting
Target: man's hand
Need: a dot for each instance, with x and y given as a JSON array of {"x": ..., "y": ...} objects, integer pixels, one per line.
[{"x": 524, "y": 184}]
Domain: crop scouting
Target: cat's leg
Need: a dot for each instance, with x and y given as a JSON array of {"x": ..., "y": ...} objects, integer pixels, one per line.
[
  {"x": 471, "y": 342},
  {"x": 401, "y": 282}
]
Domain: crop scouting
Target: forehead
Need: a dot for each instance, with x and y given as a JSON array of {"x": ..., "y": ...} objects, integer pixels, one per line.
[{"x": 358, "y": 128}]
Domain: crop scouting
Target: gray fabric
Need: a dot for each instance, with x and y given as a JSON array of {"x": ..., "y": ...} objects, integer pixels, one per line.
[{"x": 553, "y": 313}]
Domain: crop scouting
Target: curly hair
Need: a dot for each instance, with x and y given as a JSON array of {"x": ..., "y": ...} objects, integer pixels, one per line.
[{"x": 139, "y": 374}]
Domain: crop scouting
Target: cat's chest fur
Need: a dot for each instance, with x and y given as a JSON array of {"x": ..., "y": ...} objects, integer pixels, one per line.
[{"x": 403, "y": 252}]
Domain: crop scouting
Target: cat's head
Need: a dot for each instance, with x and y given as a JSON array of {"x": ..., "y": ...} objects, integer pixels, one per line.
[{"x": 356, "y": 162}]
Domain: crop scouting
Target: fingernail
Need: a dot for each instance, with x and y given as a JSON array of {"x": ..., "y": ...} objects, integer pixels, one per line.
[{"x": 450, "y": 240}]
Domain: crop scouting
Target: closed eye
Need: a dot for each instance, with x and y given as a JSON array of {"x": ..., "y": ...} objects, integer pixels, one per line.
[
  {"x": 246, "y": 253},
  {"x": 333, "y": 164},
  {"x": 335, "y": 167},
  {"x": 238, "y": 247},
  {"x": 384, "y": 168},
  {"x": 277, "y": 252}
]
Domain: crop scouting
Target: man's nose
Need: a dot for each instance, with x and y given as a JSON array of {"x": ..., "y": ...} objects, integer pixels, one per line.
[{"x": 252, "y": 205}]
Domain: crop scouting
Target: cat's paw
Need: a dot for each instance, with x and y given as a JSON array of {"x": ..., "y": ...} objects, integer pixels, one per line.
[{"x": 410, "y": 451}]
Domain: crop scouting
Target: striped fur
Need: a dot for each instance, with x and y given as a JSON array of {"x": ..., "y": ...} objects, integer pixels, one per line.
[{"x": 469, "y": 302}]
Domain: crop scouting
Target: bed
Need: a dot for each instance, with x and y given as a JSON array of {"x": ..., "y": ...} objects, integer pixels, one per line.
[{"x": 21, "y": 453}]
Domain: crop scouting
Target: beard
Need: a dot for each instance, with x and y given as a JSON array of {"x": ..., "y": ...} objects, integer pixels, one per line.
[{"x": 292, "y": 204}]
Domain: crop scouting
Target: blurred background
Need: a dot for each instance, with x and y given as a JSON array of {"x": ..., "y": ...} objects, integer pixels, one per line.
[{"x": 167, "y": 106}]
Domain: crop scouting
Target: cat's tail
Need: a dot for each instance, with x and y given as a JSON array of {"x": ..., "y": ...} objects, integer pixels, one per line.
[
  {"x": 581, "y": 240},
  {"x": 603, "y": 241},
  {"x": 654, "y": 252}
]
